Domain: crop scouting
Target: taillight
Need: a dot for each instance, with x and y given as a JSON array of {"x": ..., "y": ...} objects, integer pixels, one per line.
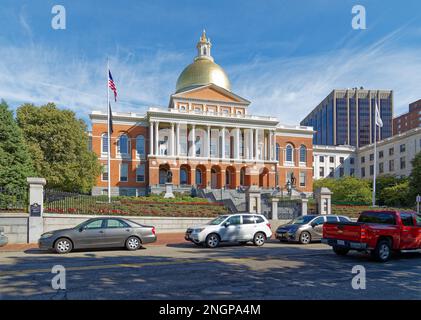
[
  {"x": 268, "y": 224},
  {"x": 153, "y": 231},
  {"x": 363, "y": 233}
]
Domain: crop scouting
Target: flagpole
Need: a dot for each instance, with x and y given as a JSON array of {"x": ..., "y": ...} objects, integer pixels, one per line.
[
  {"x": 375, "y": 156},
  {"x": 109, "y": 134}
]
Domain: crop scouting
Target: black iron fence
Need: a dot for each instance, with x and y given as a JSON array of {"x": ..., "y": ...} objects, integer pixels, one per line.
[{"x": 13, "y": 199}]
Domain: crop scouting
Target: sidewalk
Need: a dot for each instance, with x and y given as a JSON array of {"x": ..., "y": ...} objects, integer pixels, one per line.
[{"x": 163, "y": 239}]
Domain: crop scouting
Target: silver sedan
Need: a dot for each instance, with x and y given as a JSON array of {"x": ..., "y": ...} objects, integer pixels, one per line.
[
  {"x": 306, "y": 229},
  {"x": 99, "y": 233}
]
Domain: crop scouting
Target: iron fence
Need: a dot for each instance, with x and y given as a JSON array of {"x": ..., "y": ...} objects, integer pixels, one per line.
[{"x": 13, "y": 199}]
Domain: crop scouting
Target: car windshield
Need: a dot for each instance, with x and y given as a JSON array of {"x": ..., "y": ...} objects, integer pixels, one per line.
[
  {"x": 302, "y": 220},
  {"x": 218, "y": 220}
]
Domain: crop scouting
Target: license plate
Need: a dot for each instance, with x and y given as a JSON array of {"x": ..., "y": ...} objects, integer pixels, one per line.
[{"x": 341, "y": 242}]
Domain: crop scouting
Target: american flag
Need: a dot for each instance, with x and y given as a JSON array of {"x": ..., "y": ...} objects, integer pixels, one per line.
[{"x": 111, "y": 85}]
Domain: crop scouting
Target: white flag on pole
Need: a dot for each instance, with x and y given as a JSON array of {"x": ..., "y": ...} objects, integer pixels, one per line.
[{"x": 379, "y": 121}]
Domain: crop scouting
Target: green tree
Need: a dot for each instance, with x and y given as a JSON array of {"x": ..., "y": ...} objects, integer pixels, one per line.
[
  {"x": 15, "y": 160},
  {"x": 383, "y": 182},
  {"x": 59, "y": 144},
  {"x": 396, "y": 196},
  {"x": 415, "y": 179},
  {"x": 347, "y": 189}
]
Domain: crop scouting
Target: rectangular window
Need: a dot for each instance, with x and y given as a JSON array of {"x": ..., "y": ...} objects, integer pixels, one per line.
[
  {"x": 402, "y": 148},
  {"x": 331, "y": 159},
  {"x": 351, "y": 160},
  {"x": 124, "y": 172},
  {"x": 381, "y": 167},
  {"x": 302, "y": 179},
  {"x": 322, "y": 159},
  {"x": 403, "y": 164},
  {"x": 352, "y": 172},
  {"x": 371, "y": 170},
  {"x": 371, "y": 156},
  {"x": 331, "y": 172},
  {"x": 322, "y": 172},
  {"x": 380, "y": 154},
  {"x": 341, "y": 172},
  {"x": 362, "y": 159},
  {"x": 341, "y": 160},
  {"x": 391, "y": 151},
  {"x": 104, "y": 175},
  {"x": 140, "y": 173},
  {"x": 362, "y": 172},
  {"x": 391, "y": 165}
]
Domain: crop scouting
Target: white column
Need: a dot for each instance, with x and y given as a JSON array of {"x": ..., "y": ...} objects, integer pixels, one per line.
[
  {"x": 251, "y": 144},
  {"x": 193, "y": 146},
  {"x": 237, "y": 143},
  {"x": 178, "y": 138},
  {"x": 172, "y": 140},
  {"x": 256, "y": 143},
  {"x": 223, "y": 143},
  {"x": 208, "y": 145},
  {"x": 156, "y": 138},
  {"x": 274, "y": 146},
  {"x": 151, "y": 138}
]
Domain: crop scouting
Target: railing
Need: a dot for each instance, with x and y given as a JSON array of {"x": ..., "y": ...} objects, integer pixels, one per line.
[{"x": 13, "y": 199}]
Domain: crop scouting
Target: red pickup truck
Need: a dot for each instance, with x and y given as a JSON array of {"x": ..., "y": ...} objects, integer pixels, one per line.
[{"x": 380, "y": 232}]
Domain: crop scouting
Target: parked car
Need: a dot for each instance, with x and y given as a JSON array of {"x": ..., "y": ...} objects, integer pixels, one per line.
[
  {"x": 306, "y": 229},
  {"x": 379, "y": 232},
  {"x": 240, "y": 228},
  {"x": 99, "y": 233},
  {"x": 3, "y": 239}
]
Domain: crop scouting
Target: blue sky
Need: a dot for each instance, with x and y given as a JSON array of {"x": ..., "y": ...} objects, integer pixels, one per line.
[{"x": 284, "y": 56}]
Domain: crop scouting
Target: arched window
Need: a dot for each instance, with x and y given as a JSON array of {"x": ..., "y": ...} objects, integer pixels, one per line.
[
  {"x": 123, "y": 144},
  {"x": 104, "y": 143},
  {"x": 183, "y": 176},
  {"x": 303, "y": 154},
  {"x": 198, "y": 177},
  {"x": 289, "y": 153},
  {"x": 140, "y": 146},
  {"x": 278, "y": 150}
]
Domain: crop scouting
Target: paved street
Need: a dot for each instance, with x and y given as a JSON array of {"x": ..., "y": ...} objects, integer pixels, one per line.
[{"x": 185, "y": 271}]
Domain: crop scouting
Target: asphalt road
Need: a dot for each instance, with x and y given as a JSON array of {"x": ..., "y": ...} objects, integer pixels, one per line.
[{"x": 185, "y": 271}]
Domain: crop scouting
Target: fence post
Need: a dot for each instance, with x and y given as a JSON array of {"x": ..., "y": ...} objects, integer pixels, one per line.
[
  {"x": 304, "y": 206},
  {"x": 275, "y": 208},
  {"x": 36, "y": 206}
]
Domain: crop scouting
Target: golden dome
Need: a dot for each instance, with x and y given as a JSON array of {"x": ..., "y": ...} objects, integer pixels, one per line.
[{"x": 203, "y": 70}]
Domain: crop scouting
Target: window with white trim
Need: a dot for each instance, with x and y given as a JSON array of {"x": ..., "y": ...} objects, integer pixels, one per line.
[
  {"x": 123, "y": 145},
  {"x": 289, "y": 153},
  {"x": 140, "y": 173},
  {"x": 140, "y": 146},
  {"x": 104, "y": 143},
  {"x": 124, "y": 172},
  {"x": 104, "y": 172},
  {"x": 303, "y": 154}
]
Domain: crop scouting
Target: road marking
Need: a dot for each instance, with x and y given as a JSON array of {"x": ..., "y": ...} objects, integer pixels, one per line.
[{"x": 123, "y": 265}]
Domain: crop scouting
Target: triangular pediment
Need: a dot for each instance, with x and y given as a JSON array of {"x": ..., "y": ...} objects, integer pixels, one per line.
[{"x": 211, "y": 92}]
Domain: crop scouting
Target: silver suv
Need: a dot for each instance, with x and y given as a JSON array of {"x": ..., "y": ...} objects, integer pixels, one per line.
[
  {"x": 240, "y": 228},
  {"x": 305, "y": 229}
]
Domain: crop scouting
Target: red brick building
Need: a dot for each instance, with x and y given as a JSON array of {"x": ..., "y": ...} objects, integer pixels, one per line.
[
  {"x": 206, "y": 138},
  {"x": 409, "y": 120}
]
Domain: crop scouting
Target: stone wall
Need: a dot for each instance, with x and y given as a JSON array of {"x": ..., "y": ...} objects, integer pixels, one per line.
[{"x": 15, "y": 227}]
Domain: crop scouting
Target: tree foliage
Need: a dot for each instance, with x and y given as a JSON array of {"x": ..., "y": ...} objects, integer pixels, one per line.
[
  {"x": 347, "y": 189},
  {"x": 59, "y": 146},
  {"x": 396, "y": 195},
  {"x": 15, "y": 160},
  {"x": 387, "y": 182},
  {"x": 415, "y": 178}
]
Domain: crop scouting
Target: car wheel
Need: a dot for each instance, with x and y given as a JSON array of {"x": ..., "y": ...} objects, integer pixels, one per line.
[
  {"x": 212, "y": 240},
  {"x": 133, "y": 243},
  {"x": 259, "y": 239},
  {"x": 305, "y": 237},
  {"x": 383, "y": 251},
  {"x": 63, "y": 245},
  {"x": 340, "y": 251}
]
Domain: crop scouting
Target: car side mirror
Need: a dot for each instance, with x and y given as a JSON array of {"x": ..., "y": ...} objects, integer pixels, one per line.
[
  {"x": 226, "y": 224},
  {"x": 313, "y": 224},
  {"x": 81, "y": 229}
]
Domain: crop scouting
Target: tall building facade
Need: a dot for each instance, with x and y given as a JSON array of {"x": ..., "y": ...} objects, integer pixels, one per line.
[
  {"x": 409, "y": 120},
  {"x": 346, "y": 117},
  {"x": 205, "y": 138}
]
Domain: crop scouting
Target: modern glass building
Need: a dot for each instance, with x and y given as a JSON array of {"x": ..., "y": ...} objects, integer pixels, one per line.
[{"x": 346, "y": 117}]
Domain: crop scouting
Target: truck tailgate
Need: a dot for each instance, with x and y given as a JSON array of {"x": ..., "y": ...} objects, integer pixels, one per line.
[{"x": 350, "y": 231}]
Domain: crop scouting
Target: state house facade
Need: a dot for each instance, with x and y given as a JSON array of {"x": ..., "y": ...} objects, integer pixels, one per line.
[{"x": 206, "y": 138}]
